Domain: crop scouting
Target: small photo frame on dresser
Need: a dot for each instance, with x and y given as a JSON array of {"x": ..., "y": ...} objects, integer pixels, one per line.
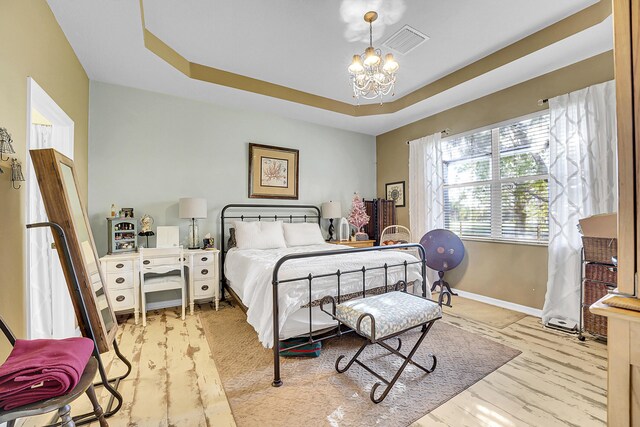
[
  {"x": 208, "y": 243},
  {"x": 127, "y": 213}
]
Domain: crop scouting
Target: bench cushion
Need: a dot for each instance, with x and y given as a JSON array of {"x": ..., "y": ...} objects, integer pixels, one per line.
[{"x": 393, "y": 312}]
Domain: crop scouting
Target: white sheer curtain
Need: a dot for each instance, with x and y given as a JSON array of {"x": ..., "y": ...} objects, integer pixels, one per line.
[
  {"x": 582, "y": 182},
  {"x": 426, "y": 179},
  {"x": 51, "y": 309}
]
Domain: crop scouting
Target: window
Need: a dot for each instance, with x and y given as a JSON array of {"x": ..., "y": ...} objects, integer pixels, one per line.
[{"x": 496, "y": 181}]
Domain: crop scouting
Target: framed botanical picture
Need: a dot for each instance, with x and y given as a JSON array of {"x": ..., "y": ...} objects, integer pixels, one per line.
[
  {"x": 273, "y": 172},
  {"x": 395, "y": 192}
]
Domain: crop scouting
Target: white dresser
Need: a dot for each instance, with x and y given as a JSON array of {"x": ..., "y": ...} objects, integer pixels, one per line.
[{"x": 122, "y": 274}]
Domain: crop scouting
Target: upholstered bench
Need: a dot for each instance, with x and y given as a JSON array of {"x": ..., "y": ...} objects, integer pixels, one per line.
[{"x": 385, "y": 316}]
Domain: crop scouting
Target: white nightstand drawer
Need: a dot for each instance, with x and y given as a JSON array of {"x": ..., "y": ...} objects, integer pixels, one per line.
[
  {"x": 122, "y": 299},
  {"x": 204, "y": 259},
  {"x": 123, "y": 279},
  {"x": 117, "y": 266},
  {"x": 203, "y": 289},
  {"x": 203, "y": 272}
]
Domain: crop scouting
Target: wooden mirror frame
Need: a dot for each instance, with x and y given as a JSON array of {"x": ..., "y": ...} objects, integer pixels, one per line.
[{"x": 48, "y": 165}]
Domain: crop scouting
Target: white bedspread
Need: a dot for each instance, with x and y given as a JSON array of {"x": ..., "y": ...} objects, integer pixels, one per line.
[{"x": 250, "y": 272}]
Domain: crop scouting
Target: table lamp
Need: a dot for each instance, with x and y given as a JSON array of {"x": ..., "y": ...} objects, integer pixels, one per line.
[
  {"x": 331, "y": 210},
  {"x": 193, "y": 208}
]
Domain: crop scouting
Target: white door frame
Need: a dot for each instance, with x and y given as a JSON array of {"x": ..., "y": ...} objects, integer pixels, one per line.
[{"x": 38, "y": 99}]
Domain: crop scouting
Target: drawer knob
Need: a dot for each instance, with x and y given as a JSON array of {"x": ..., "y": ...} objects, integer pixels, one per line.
[
  {"x": 204, "y": 271},
  {"x": 204, "y": 287},
  {"x": 120, "y": 280},
  {"x": 120, "y": 298},
  {"x": 204, "y": 258},
  {"x": 146, "y": 262},
  {"x": 119, "y": 265}
]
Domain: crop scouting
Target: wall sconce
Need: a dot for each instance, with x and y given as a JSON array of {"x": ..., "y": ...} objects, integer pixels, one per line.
[
  {"x": 6, "y": 144},
  {"x": 16, "y": 174}
]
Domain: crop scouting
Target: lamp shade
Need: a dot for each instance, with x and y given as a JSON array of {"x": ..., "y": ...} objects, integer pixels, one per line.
[
  {"x": 193, "y": 207},
  {"x": 331, "y": 210}
]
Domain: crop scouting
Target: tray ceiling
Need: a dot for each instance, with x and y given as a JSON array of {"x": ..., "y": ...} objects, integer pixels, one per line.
[{"x": 307, "y": 46}]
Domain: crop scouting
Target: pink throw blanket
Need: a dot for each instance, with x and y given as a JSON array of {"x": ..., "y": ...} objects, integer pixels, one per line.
[{"x": 41, "y": 369}]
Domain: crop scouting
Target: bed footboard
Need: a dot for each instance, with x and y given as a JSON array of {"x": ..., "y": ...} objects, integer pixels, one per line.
[{"x": 276, "y": 282}]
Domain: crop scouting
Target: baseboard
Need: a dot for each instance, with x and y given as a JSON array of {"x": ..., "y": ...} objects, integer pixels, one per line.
[{"x": 536, "y": 312}]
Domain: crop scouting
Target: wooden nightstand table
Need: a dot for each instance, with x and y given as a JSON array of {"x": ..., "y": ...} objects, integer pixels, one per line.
[{"x": 356, "y": 244}]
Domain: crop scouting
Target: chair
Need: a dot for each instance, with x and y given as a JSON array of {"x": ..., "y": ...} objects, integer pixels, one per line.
[
  {"x": 161, "y": 269},
  {"x": 60, "y": 403},
  {"x": 396, "y": 234}
]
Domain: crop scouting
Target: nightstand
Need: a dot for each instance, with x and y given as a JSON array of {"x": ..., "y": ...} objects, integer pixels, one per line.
[{"x": 354, "y": 244}]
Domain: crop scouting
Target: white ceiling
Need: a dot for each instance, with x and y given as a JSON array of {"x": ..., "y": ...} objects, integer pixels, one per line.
[{"x": 307, "y": 46}]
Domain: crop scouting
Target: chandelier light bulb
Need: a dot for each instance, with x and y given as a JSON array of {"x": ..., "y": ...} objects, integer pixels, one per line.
[
  {"x": 356, "y": 66},
  {"x": 371, "y": 59},
  {"x": 390, "y": 64}
]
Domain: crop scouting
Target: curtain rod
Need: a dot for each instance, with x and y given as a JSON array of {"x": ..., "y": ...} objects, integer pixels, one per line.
[
  {"x": 444, "y": 132},
  {"x": 447, "y": 131}
]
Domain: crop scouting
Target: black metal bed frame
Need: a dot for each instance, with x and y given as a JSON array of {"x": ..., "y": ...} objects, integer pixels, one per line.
[
  {"x": 314, "y": 213},
  {"x": 338, "y": 274}
]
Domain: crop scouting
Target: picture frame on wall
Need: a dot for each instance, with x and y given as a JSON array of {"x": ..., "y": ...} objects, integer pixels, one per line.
[
  {"x": 395, "y": 191},
  {"x": 273, "y": 172}
]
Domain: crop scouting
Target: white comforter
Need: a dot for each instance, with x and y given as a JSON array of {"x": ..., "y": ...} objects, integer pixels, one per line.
[{"x": 250, "y": 272}]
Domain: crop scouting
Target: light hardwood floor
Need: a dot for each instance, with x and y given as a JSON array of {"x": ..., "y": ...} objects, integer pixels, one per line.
[{"x": 556, "y": 381}]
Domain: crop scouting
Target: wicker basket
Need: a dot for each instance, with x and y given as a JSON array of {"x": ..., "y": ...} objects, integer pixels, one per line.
[
  {"x": 598, "y": 249},
  {"x": 593, "y": 323},
  {"x": 601, "y": 273}
]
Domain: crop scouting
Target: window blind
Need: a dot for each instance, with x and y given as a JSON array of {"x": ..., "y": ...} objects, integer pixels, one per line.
[{"x": 496, "y": 181}]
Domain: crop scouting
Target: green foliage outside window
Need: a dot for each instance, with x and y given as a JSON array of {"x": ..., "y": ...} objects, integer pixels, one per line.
[{"x": 496, "y": 181}]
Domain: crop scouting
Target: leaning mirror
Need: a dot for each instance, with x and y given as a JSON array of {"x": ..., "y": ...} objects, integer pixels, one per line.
[{"x": 58, "y": 185}]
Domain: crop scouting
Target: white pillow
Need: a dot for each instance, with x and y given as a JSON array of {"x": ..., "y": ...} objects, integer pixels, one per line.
[
  {"x": 302, "y": 234},
  {"x": 259, "y": 235}
]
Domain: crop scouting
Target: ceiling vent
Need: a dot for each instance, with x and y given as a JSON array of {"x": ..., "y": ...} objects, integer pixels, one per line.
[{"x": 405, "y": 40}]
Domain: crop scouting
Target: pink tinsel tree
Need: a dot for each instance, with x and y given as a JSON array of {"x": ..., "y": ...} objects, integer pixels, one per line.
[{"x": 358, "y": 215}]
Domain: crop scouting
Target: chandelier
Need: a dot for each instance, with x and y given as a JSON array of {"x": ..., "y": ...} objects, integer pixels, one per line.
[{"x": 371, "y": 76}]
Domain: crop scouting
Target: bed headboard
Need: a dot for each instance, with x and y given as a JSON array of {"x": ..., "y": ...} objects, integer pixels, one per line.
[{"x": 261, "y": 212}]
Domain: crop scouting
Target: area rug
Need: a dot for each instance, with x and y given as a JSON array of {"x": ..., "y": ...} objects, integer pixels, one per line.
[
  {"x": 490, "y": 315},
  {"x": 315, "y": 394}
]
